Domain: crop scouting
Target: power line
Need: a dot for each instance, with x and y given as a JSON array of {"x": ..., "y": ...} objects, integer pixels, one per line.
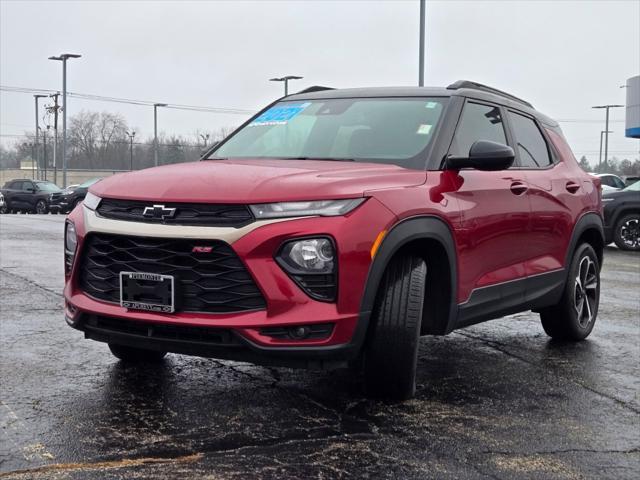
[{"x": 146, "y": 103}]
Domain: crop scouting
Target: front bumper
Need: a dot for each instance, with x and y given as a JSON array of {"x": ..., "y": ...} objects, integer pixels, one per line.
[{"x": 287, "y": 304}]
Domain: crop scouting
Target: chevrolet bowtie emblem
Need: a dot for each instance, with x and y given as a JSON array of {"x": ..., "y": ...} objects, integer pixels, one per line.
[{"x": 159, "y": 211}]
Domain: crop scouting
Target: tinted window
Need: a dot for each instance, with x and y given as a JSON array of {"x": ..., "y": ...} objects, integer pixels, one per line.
[
  {"x": 16, "y": 185},
  {"x": 27, "y": 186},
  {"x": 478, "y": 122},
  {"x": 532, "y": 147}
]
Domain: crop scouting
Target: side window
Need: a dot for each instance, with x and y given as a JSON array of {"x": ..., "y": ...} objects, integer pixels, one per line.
[
  {"x": 619, "y": 183},
  {"x": 27, "y": 186},
  {"x": 478, "y": 122},
  {"x": 532, "y": 147},
  {"x": 16, "y": 185}
]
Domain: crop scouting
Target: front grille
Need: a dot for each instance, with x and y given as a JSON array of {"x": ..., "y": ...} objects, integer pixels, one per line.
[
  {"x": 213, "y": 281},
  {"x": 185, "y": 333},
  {"x": 198, "y": 214}
]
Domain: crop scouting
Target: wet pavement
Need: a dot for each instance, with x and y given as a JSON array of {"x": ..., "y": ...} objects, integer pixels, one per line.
[{"x": 498, "y": 400}]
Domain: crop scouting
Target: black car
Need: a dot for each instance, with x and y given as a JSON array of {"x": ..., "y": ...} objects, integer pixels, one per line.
[
  {"x": 68, "y": 199},
  {"x": 24, "y": 195},
  {"x": 622, "y": 217}
]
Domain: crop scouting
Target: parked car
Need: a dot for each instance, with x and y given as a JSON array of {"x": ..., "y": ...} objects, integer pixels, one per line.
[
  {"x": 67, "y": 199},
  {"x": 24, "y": 195},
  {"x": 622, "y": 217},
  {"x": 630, "y": 179},
  {"x": 336, "y": 227},
  {"x": 610, "y": 181}
]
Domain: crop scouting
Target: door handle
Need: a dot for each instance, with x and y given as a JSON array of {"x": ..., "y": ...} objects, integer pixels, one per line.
[
  {"x": 572, "y": 187},
  {"x": 518, "y": 188}
]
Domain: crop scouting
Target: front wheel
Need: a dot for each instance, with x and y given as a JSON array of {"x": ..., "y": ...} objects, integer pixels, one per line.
[
  {"x": 391, "y": 352},
  {"x": 41, "y": 207},
  {"x": 136, "y": 355},
  {"x": 627, "y": 232},
  {"x": 574, "y": 316}
]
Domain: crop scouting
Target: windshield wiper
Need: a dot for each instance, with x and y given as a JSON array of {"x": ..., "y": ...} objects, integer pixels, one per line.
[{"x": 320, "y": 159}]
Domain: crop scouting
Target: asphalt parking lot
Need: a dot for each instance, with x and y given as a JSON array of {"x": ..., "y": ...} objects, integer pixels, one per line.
[{"x": 498, "y": 400}]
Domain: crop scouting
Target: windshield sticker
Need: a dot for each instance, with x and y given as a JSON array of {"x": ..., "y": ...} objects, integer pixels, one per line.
[
  {"x": 431, "y": 105},
  {"x": 279, "y": 115},
  {"x": 424, "y": 129}
]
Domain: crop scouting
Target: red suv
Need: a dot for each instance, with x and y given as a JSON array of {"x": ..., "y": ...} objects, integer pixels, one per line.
[{"x": 338, "y": 226}]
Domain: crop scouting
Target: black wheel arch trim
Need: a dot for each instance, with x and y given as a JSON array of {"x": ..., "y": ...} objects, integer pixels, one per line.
[
  {"x": 424, "y": 227},
  {"x": 588, "y": 221}
]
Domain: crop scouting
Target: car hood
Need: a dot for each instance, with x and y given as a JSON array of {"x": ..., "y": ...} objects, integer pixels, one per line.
[{"x": 256, "y": 181}]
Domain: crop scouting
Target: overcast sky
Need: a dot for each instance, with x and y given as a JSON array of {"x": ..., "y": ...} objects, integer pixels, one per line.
[{"x": 562, "y": 56}]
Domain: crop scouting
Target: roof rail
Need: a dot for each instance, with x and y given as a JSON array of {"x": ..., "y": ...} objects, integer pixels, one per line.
[
  {"x": 315, "y": 88},
  {"x": 484, "y": 88}
]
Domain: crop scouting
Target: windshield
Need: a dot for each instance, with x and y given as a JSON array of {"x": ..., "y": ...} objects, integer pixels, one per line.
[
  {"x": 47, "y": 187},
  {"x": 634, "y": 187},
  {"x": 88, "y": 183},
  {"x": 383, "y": 130}
]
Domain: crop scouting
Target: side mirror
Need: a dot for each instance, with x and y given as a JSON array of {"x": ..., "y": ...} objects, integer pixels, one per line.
[{"x": 484, "y": 155}]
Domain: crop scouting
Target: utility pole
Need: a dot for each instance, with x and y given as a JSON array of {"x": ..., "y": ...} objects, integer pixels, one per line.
[
  {"x": 600, "y": 157},
  {"x": 131, "y": 135},
  {"x": 36, "y": 98},
  {"x": 286, "y": 79},
  {"x": 55, "y": 110},
  {"x": 155, "y": 131},
  {"x": 64, "y": 57},
  {"x": 44, "y": 153},
  {"x": 606, "y": 129},
  {"x": 423, "y": 9}
]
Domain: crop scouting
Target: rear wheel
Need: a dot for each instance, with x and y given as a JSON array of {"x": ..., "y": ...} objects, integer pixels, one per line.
[
  {"x": 136, "y": 355},
  {"x": 574, "y": 316},
  {"x": 391, "y": 352},
  {"x": 627, "y": 232}
]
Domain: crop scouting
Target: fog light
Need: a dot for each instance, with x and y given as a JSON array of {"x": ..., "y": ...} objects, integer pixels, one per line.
[{"x": 299, "y": 332}]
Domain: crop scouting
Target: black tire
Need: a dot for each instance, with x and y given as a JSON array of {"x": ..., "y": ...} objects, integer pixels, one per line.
[
  {"x": 41, "y": 207},
  {"x": 626, "y": 233},
  {"x": 575, "y": 315},
  {"x": 136, "y": 355},
  {"x": 391, "y": 352}
]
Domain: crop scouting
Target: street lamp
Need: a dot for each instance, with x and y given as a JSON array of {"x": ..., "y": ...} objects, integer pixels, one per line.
[
  {"x": 63, "y": 58},
  {"x": 36, "y": 98},
  {"x": 131, "y": 135},
  {"x": 421, "y": 46},
  {"x": 286, "y": 79},
  {"x": 155, "y": 131},
  {"x": 600, "y": 157},
  {"x": 606, "y": 129}
]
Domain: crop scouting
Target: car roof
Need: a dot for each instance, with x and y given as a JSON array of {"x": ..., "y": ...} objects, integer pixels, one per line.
[{"x": 501, "y": 98}]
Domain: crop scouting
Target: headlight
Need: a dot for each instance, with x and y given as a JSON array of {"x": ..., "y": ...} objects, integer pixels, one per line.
[
  {"x": 323, "y": 208},
  {"x": 70, "y": 244},
  {"x": 91, "y": 201},
  {"x": 312, "y": 264}
]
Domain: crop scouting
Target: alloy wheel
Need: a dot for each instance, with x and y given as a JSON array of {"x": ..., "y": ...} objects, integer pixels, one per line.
[
  {"x": 585, "y": 291},
  {"x": 630, "y": 233},
  {"x": 41, "y": 207}
]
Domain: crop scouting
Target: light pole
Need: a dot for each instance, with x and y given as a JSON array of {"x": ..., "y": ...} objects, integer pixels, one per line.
[
  {"x": 63, "y": 58},
  {"x": 131, "y": 135},
  {"x": 606, "y": 128},
  {"x": 421, "y": 47},
  {"x": 155, "y": 131},
  {"x": 36, "y": 97},
  {"x": 600, "y": 157},
  {"x": 286, "y": 79}
]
